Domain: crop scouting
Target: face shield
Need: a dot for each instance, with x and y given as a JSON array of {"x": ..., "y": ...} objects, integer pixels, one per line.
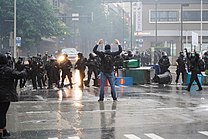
[{"x": 193, "y": 55}]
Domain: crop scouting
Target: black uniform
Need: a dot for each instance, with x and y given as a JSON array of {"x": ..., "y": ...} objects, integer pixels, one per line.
[
  {"x": 205, "y": 57},
  {"x": 52, "y": 69},
  {"x": 181, "y": 67},
  {"x": 93, "y": 66},
  {"x": 195, "y": 69},
  {"x": 81, "y": 66},
  {"x": 19, "y": 66},
  {"x": 34, "y": 71},
  {"x": 66, "y": 71},
  {"x": 40, "y": 73},
  {"x": 164, "y": 64}
]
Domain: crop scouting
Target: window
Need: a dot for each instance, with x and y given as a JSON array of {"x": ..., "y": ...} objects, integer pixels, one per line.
[
  {"x": 56, "y": 3},
  {"x": 195, "y": 15},
  {"x": 164, "y": 16}
]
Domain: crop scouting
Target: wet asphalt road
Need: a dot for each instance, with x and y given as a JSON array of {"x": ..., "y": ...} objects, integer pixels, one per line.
[{"x": 141, "y": 112}]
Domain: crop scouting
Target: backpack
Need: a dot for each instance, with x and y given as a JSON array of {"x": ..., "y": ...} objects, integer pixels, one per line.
[
  {"x": 201, "y": 65},
  {"x": 108, "y": 63}
]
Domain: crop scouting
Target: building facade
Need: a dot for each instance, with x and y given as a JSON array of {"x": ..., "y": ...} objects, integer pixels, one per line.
[{"x": 170, "y": 25}]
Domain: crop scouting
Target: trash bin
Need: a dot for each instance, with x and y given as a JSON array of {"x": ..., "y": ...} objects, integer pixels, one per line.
[
  {"x": 156, "y": 68},
  {"x": 165, "y": 78},
  {"x": 200, "y": 77},
  {"x": 133, "y": 63},
  {"x": 141, "y": 75},
  {"x": 127, "y": 81}
]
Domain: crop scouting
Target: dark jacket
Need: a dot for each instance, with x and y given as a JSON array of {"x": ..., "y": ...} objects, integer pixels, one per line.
[
  {"x": 7, "y": 87},
  {"x": 181, "y": 63},
  {"x": 194, "y": 62},
  {"x": 101, "y": 55}
]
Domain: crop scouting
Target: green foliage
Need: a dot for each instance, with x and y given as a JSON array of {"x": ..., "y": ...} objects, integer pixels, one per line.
[{"x": 35, "y": 19}]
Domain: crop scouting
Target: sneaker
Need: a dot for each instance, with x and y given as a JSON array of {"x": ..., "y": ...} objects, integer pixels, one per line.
[
  {"x": 199, "y": 89},
  {"x": 187, "y": 89},
  {"x": 6, "y": 133},
  {"x": 115, "y": 99},
  {"x": 100, "y": 100}
]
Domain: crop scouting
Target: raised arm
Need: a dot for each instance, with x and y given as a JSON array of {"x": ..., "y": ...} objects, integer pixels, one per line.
[
  {"x": 119, "y": 48},
  {"x": 96, "y": 47}
]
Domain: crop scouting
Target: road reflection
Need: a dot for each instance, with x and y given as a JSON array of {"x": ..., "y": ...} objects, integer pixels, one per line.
[{"x": 107, "y": 121}]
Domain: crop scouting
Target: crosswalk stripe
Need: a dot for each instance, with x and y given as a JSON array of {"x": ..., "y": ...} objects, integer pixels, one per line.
[
  {"x": 204, "y": 133},
  {"x": 73, "y": 138},
  {"x": 153, "y": 136},
  {"x": 131, "y": 136}
]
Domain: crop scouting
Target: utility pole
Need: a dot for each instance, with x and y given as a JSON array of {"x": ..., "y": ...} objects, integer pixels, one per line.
[
  {"x": 201, "y": 25},
  {"x": 15, "y": 29},
  {"x": 156, "y": 23}
]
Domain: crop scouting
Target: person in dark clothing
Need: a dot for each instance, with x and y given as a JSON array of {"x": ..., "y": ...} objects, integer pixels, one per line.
[
  {"x": 93, "y": 66},
  {"x": 107, "y": 73},
  {"x": 205, "y": 57},
  {"x": 7, "y": 91},
  {"x": 52, "y": 69},
  {"x": 19, "y": 66},
  {"x": 66, "y": 66},
  {"x": 181, "y": 67},
  {"x": 34, "y": 71},
  {"x": 81, "y": 66},
  {"x": 40, "y": 73},
  {"x": 10, "y": 59},
  {"x": 194, "y": 68},
  {"x": 118, "y": 63},
  {"x": 164, "y": 63}
]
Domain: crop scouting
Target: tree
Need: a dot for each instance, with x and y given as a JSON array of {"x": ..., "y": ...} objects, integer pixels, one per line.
[
  {"x": 35, "y": 19},
  {"x": 106, "y": 24}
]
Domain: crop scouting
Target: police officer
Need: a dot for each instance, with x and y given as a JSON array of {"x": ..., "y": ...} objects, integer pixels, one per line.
[
  {"x": 164, "y": 63},
  {"x": 65, "y": 67},
  {"x": 11, "y": 60},
  {"x": 205, "y": 57},
  {"x": 34, "y": 71},
  {"x": 19, "y": 66},
  {"x": 92, "y": 65},
  {"x": 40, "y": 72},
  {"x": 52, "y": 68},
  {"x": 181, "y": 67},
  {"x": 194, "y": 68},
  {"x": 81, "y": 66}
]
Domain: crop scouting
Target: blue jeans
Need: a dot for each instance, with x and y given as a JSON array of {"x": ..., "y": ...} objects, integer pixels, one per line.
[{"x": 111, "y": 78}]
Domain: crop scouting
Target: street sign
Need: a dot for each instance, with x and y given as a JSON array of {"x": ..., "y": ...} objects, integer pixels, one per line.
[
  {"x": 18, "y": 41},
  {"x": 75, "y": 16},
  {"x": 195, "y": 40}
]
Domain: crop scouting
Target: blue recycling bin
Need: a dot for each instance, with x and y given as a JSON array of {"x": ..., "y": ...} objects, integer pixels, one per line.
[
  {"x": 156, "y": 68},
  {"x": 200, "y": 77},
  {"x": 126, "y": 81}
]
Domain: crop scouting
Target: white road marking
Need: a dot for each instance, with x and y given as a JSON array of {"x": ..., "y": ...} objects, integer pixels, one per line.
[
  {"x": 153, "y": 136},
  {"x": 131, "y": 136},
  {"x": 53, "y": 138},
  {"x": 204, "y": 133},
  {"x": 73, "y": 138}
]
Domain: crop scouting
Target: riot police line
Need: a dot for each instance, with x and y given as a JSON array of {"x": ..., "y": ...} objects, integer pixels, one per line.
[{"x": 50, "y": 71}]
